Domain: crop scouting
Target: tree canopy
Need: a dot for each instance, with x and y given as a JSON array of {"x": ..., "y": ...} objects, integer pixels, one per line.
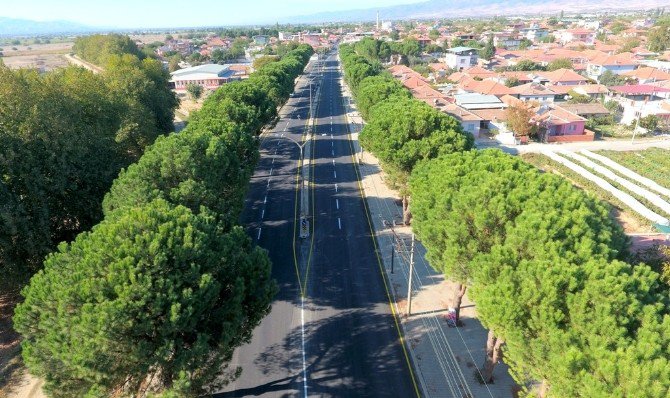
[{"x": 156, "y": 299}]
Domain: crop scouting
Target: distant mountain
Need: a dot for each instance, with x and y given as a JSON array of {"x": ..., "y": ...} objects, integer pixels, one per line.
[
  {"x": 475, "y": 8},
  {"x": 26, "y": 27}
]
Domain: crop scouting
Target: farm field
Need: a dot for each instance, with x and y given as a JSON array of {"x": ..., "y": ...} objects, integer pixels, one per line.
[
  {"x": 653, "y": 163},
  {"x": 631, "y": 221},
  {"x": 44, "y": 57}
]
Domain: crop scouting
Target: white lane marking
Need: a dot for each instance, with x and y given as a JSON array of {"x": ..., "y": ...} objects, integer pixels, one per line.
[
  {"x": 339, "y": 222},
  {"x": 332, "y": 152},
  {"x": 273, "y": 160},
  {"x": 331, "y": 136},
  {"x": 337, "y": 204},
  {"x": 302, "y": 332},
  {"x": 265, "y": 199},
  {"x": 271, "y": 170},
  {"x": 268, "y": 182},
  {"x": 334, "y": 173},
  {"x": 259, "y": 234},
  {"x": 335, "y": 187},
  {"x": 263, "y": 214}
]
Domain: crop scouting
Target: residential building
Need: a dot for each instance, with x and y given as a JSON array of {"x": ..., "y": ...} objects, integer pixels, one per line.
[
  {"x": 647, "y": 74},
  {"x": 533, "y": 92},
  {"x": 461, "y": 58},
  {"x": 585, "y": 36},
  {"x": 209, "y": 76},
  {"x": 563, "y": 77},
  {"x": 618, "y": 64},
  {"x": 472, "y": 101},
  {"x": 560, "y": 125},
  {"x": 468, "y": 120}
]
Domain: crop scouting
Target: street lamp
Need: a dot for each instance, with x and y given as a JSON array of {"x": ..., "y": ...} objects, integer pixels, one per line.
[{"x": 303, "y": 188}]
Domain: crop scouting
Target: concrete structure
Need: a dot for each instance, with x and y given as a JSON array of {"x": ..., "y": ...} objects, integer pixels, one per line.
[
  {"x": 209, "y": 76},
  {"x": 472, "y": 101},
  {"x": 461, "y": 58}
]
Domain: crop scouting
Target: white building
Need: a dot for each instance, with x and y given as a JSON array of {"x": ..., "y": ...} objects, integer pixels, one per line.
[
  {"x": 461, "y": 58},
  {"x": 209, "y": 76}
]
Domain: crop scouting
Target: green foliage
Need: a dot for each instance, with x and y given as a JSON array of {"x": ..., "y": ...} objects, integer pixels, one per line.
[
  {"x": 560, "y": 63},
  {"x": 525, "y": 44},
  {"x": 577, "y": 98},
  {"x": 512, "y": 82},
  {"x": 152, "y": 293},
  {"x": 200, "y": 167},
  {"x": 98, "y": 48},
  {"x": 526, "y": 65},
  {"x": 650, "y": 122},
  {"x": 609, "y": 78},
  {"x": 540, "y": 256},
  {"x": 375, "y": 89},
  {"x": 489, "y": 49},
  {"x": 194, "y": 90},
  {"x": 402, "y": 132},
  {"x": 160, "y": 293}
]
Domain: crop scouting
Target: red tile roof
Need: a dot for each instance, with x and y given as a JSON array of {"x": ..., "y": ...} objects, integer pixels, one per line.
[{"x": 647, "y": 73}]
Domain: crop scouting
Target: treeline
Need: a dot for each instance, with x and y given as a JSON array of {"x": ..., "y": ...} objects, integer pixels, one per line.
[
  {"x": 64, "y": 136},
  {"x": 98, "y": 49},
  {"x": 543, "y": 260},
  {"x": 155, "y": 298},
  {"x": 400, "y": 130}
]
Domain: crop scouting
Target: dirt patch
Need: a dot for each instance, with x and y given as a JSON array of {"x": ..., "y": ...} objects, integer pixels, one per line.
[{"x": 11, "y": 366}]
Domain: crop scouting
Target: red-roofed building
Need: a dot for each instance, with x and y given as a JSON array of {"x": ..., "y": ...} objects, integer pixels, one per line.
[
  {"x": 563, "y": 77},
  {"x": 648, "y": 75}
]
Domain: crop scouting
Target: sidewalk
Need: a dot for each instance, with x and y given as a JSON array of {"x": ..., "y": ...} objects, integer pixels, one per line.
[{"x": 446, "y": 359}]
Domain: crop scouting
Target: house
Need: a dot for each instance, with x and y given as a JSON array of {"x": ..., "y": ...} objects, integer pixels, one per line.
[
  {"x": 618, "y": 64},
  {"x": 647, "y": 74},
  {"x": 595, "y": 91},
  {"x": 560, "y": 125},
  {"x": 468, "y": 120},
  {"x": 533, "y": 92},
  {"x": 486, "y": 87},
  {"x": 534, "y": 34},
  {"x": 208, "y": 76},
  {"x": 563, "y": 77},
  {"x": 640, "y": 100},
  {"x": 585, "y": 36},
  {"x": 471, "y": 101},
  {"x": 594, "y": 109},
  {"x": 461, "y": 58}
]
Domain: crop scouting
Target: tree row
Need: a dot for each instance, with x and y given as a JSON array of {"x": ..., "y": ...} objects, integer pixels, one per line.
[{"x": 154, "y": 299}]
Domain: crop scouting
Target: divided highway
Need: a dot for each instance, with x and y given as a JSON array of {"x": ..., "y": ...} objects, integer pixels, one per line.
[{"x": 331, "y": 331}]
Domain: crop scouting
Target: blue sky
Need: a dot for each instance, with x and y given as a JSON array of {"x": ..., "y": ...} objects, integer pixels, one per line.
[{"x": 173, "y": 13}]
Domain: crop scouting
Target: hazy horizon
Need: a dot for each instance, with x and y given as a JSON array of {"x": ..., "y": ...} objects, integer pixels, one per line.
[{"x": 127, "y": 14}]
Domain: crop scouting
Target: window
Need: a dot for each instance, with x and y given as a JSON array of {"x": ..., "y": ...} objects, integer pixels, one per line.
[{"x": 462, "y": 61}]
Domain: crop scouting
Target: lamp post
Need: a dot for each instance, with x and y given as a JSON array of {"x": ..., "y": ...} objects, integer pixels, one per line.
[{"x": 303, "y": 196}]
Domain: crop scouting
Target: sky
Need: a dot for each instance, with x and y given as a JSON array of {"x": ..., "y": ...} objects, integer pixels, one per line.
[{"x": 177, "y": 13}]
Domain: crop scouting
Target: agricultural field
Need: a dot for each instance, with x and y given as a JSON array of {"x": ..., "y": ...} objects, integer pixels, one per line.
[
  {"x": 44, "y": 57},
  {"x": 631, "y": 221},
  {"x": 653, "y": 163}
]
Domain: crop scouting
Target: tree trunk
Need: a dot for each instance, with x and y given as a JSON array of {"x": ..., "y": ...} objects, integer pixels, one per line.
[
  {"x": 493, "y": 356},
  {"x": 544, "y": 389},
  {"x": 457, "y": 299},
  {"x": 406, "y": 214}
]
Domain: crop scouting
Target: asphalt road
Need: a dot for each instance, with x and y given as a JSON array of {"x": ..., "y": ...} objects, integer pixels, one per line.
[{"x": 331, "y": 332}]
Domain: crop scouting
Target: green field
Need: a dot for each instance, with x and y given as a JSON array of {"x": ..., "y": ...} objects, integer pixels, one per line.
[
  {"x": 630, "y": 220},
  {"x": 653, "y": 163}
]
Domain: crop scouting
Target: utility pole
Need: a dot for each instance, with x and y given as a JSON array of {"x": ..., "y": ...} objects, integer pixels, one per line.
[{"x": 411, "y": 272}]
